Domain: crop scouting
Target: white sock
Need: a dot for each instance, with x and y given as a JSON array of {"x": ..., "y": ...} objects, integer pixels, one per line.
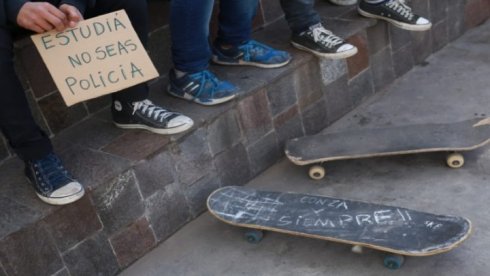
[{"x": 179, "y": 74}]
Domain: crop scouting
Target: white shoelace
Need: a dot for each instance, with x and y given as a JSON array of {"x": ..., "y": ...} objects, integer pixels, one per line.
[
  {"x": 401, "y": 7},
  {"x": 324, "y": 36},
  {"x": 151, "y": 110}
]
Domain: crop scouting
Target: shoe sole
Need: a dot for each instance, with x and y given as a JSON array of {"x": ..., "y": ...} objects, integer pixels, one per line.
[
  {"x": 401, "y": 25},
  {"x": 342, "y": 3},
  {"x": 248, "y": 63},
  {"x": 167, "y": 131},
  {"x": 62, "y": 200},
  {"x": 192, "y": 99},
  {"x": 341, "y": 55}
]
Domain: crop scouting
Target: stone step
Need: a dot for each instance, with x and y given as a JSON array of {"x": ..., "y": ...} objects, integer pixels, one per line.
[{"x": 143, "y": 187}]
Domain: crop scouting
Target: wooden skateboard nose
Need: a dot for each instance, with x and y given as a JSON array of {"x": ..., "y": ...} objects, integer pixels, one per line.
[{"x": 483, "y": 122}]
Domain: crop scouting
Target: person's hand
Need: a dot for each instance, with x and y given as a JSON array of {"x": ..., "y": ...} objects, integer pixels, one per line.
[
  {"x": 41, "y": 17},
  {"x": 72, "y": 14}
]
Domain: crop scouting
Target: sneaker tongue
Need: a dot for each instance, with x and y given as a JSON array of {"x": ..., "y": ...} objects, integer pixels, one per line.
[
  {"x": 318, "y": 25},
  {"x": 143, "y": 102},
  {"x": 320, "y": 29}
]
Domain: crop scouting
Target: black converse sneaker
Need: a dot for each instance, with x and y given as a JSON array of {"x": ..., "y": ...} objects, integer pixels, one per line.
[
  {"x": 397, "y": 12},
  {"x": 146, "y": 115},
  {"x": 52, "y": 182},
  {"x": 323, "y": 43}
]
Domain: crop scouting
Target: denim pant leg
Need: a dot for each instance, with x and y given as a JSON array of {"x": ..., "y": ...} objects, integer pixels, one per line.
[
  {"x": 235, "y": 21},
  {"x": 189, "y": 27},
  {"x": 16, "y": 121},
  {"x": 137, "y": 11},
  {"x": 300, "y": 14}
]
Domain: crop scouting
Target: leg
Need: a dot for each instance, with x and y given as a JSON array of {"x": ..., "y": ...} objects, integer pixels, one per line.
[
  {"x": 52, "y": 182},
  {"x": 190, "y": 79},
  {"x": 300, "y": 14},
  {"x": 138, "y": 14},
  {"x": 235, "y": 21},
  {"x": 131, "y": 108},
  {"x": 16, "y": 121},
  {"x": 234, "y": 45},
  {"x": 189, "y": 26},
  {"x": 310, "y": 35}
]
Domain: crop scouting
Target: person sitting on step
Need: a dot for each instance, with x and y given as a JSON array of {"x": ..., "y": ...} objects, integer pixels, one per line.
[
  {"x": 396, "y": 12},
  {"x": 191, "y": 78},
  {"x": 131, "y": 108},
  {"x": 309, "y": 34}
]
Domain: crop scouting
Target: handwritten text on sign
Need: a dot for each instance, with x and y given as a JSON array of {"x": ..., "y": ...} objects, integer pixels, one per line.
[{"x": 101, "y": 55}]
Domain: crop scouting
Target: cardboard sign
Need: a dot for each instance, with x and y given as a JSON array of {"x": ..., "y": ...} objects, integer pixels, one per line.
[{"x": 101, "y": 55}]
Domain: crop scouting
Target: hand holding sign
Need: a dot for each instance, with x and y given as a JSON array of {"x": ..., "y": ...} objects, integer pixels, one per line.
[
  {"x": 73, "y": 15},
  {"x": 99, "y": 56},
  {"x": 41, "y": 17}
]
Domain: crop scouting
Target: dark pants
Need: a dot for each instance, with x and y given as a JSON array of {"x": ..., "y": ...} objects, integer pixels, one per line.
[
  {"x": 300, "y": 14},
  {"x": 189, "y": 25},
  {"x": 16, "y": 121}
]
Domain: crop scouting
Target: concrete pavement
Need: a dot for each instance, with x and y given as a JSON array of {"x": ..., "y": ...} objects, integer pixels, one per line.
[{"x": 453, "y": 85}]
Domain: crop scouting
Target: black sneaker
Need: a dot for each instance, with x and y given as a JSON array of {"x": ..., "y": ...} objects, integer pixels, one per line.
[
  {"x": 397, "y": 12},
  {"x": 52, "y": 182},
  {"x": 146, "y": 115},
  {"x": 323, "y": 43}
]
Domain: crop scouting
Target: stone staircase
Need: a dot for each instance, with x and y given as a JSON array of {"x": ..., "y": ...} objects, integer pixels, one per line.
[{"x": 142, "y": 187}]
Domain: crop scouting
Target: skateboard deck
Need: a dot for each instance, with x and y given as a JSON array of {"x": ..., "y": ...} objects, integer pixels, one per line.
[
  {"x": 386, "y": 228},
  {"x": 363, "y": 143}
]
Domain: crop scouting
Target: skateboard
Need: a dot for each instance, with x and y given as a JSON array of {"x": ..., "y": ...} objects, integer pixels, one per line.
[
  {"x": 394, "y": 230},
  {"x": 410, "y": 139}
]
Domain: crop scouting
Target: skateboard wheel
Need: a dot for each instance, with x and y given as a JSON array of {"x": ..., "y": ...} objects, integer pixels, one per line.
[
  {"x": 455, "y": 160},
  {"x": 254, "y": 236},
  {"x": 394, "y": 261},
  {"x": 357, "y": 249},
  {"x": 317, "y": 172}
]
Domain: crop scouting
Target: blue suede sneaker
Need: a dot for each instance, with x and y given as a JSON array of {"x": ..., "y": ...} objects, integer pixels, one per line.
[
  {"x": 250, "y": 53},
  {"x": 201, "y": 87},
  {"x": 52, "y": 182}
]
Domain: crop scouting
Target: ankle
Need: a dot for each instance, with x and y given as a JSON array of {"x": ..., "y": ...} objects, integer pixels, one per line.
[{"x": 179, "y": 74}]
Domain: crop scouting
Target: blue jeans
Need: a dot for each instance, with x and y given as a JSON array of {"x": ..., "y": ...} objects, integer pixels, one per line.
[
  {"x": 300, "y": 14},
  {"x": 189, "y": 26}
]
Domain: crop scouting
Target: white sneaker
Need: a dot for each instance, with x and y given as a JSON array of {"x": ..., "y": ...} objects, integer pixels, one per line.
[
  {"x": 52, "y": 182},
  {"x": 146, "y": 115},
  {"x": 397, "y": 12}
]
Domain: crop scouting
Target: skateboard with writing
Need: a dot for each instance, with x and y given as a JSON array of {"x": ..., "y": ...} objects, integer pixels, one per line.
[
  {"x": 409, "y": 139},
  {"x": 394, "y": 230}
]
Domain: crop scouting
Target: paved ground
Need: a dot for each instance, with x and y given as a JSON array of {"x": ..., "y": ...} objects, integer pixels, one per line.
[{"x": 454, "y": 85}]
